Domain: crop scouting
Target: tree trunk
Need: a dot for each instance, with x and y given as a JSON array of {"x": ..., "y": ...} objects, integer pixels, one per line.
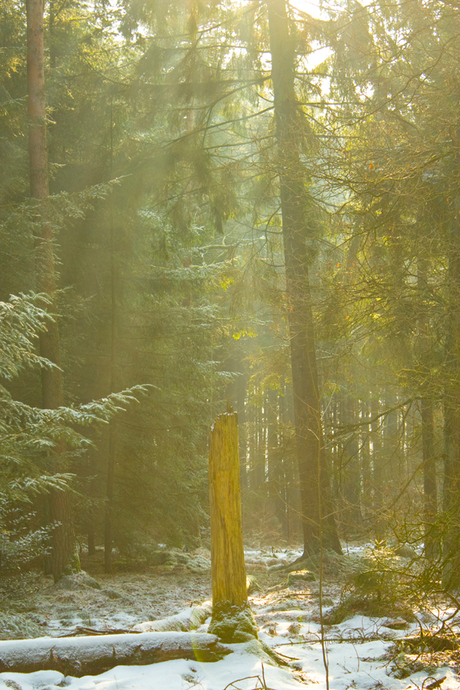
[
  {"x": 426, "y": 407},
  {"x": 241, "y": 389},
  {"x": 366, "y": 470},
  {"x": 451, "y": 574},
  {"x": 379, "y": 518},
  {"x": 429, "y": 478},
  {"x": 112, "y": 450},
  {"x": 108, "y": 517},
  {"x": 277, "y": 482},
  {"x": 351, "y": 476},
  {"x": 91, "y": 541},
  {"x": 52, "y": 392},
  {"x": 299, "y": 227},
  {"x": 227, "y": 555}
]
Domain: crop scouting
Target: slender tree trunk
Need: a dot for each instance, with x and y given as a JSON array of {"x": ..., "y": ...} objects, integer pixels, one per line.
[
  {"x": 299, "y": 225},
  {"x": 258, "y": 471},
  {"x": 288, "y": 469},
  {"x": 91, "y": 541},
  {"x": 393, "y": 466},
  {"x": 241, "y": 388},
  {"x": 426, "y": 408},
  {"x": 351, "y": 476},
  {"x": 108, "y": 519},
  {"x": 377, "y": 470},
  {"x": 429, "y": 477},
  {"x": 52, "y": 392},
  {"x": 111, "y": 461},
  {"x": 275, "y": 461},
  {"x": 452, "y": 419},
  {"x": 366, "y": 470}
]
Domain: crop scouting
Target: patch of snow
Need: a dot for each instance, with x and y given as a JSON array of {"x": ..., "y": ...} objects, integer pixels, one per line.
[{"x": 356, "y": 649}]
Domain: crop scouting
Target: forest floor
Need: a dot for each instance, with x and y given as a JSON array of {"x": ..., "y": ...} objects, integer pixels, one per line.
[{"x": 361, "y": 651}]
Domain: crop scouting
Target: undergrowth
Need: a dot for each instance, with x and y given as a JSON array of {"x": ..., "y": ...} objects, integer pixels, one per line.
[{"x": 380, "y": 584}]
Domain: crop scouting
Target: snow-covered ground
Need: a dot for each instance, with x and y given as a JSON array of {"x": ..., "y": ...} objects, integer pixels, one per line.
[{"x": 287, "y": 614}]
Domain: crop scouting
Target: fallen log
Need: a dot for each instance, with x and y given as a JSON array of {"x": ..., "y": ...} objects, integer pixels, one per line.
[
  {"x": 188, "y": 619},
  {"x": 81, "y": 656}
]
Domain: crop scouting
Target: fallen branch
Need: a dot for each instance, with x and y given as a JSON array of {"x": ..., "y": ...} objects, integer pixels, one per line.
[
  {"x": 83, "y": 630},
  {"x": 91, "y": 655}
]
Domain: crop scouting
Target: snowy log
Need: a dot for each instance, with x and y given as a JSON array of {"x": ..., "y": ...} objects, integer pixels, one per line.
[
  {"x": 188, "y": 619},
  {"x": 82, "y": 656}
]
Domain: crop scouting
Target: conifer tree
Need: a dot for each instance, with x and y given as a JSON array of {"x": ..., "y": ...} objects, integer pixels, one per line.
[
  {"x": 52, "y": 387},
  {"x": 299, "y": 228}
]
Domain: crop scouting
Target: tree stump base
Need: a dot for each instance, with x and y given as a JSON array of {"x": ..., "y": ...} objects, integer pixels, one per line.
[{"x": 233, "y": 624}]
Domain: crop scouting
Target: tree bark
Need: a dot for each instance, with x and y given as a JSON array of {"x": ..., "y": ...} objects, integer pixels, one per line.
[
  {"x": 451, "y": 498},
  {"x": 299, "y": 229},
  {"x": 351, "y": 479},
  {"x": 108, "y": 517},
  {"x": 378, "y": 507},
  {"x": 366, "y": 469},
  {"x": 430, "y": 496},
  {"x": 81, "y": 656},
  {"x": 227, "y": 555},
  {"x": 112, "y": 449},
  {"x": 429, "y": 478},
  {"x": 52, "y": 389}
]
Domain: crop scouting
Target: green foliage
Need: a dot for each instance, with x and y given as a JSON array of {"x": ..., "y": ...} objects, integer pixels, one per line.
[
  {"x": 382, "y": 585},
  {"x": 28, "y": 435}
]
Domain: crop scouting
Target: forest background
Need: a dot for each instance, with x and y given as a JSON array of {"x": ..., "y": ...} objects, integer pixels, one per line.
[{"x": 228, "y": 201}]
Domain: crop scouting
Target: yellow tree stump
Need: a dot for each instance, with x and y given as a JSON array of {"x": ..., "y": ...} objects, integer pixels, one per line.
[{"x": 232, "y": 620}]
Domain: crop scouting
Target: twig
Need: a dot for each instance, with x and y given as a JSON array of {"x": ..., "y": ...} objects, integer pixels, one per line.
[
  {"x": 291, "y": 658},
  {"x": 435, "y": 684},
  {"x": 260, "y": 679},
  {"x": 232, "y": 684}
]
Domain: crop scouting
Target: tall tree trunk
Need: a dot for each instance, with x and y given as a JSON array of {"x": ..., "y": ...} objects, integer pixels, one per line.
[
  {"x": 451, "y": 575},
  {"x": 275, "y": 460},
  {"x": 52, "y": 392},
  {"x": 379, "y": 518},
  {"x": 241, "y": 388},
  {"x": 426, "y": 407},
  {"x": 351, "y": 475},
  {"x": 429, "y": 478},
  {"x": 108, "y": 518},
  {"x": 112, "y": 447},
  {"x": 299, "y": 221},
  {"x": 289, "y": 467},
  {"x": 366, "y": 470}
]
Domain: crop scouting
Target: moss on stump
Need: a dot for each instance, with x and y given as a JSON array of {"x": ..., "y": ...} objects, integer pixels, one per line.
[{"x": 233, "y": 623}]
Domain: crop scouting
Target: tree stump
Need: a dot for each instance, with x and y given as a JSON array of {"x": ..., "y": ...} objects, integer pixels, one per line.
[{"x": 232, "y": 620}]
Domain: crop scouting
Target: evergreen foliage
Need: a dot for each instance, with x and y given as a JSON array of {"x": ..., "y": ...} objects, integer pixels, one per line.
[{"x": 28, "y": 435}]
